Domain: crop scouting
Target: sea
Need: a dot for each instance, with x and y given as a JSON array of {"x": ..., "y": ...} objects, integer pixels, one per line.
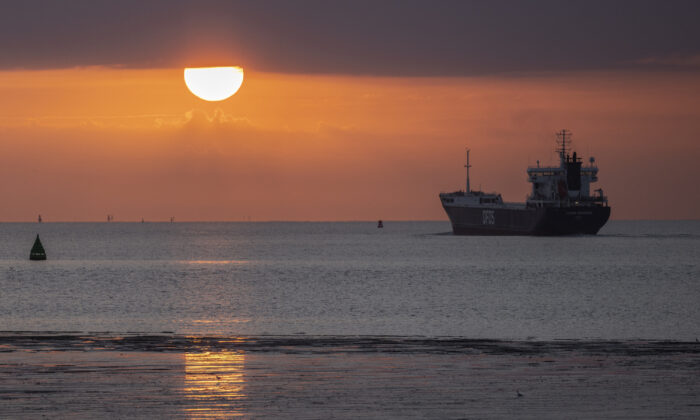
[{"x": 348, "y": 320}]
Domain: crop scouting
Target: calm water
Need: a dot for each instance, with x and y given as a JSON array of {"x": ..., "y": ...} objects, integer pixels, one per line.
[{"x": 634, "y": 280}]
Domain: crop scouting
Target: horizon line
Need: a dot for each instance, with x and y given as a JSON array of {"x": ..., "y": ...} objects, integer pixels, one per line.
[{"x": 300, "y": 221}]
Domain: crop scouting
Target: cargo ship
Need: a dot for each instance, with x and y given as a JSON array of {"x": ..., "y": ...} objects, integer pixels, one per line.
[{"x": 560, "y": 202}]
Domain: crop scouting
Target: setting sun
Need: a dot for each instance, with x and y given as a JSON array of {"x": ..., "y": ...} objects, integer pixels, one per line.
[{"x": 214, "y": 83}]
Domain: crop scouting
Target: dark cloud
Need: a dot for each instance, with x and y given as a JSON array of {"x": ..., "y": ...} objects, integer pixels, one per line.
[{"x": 355, "y": 37}]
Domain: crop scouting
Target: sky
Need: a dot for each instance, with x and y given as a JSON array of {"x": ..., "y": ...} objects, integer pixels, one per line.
[{"x": 348, "y": 111}]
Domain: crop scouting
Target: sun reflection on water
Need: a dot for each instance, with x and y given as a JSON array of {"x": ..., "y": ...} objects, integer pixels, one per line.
[
  {"x": 215, "y": 262},
  {"x": 215, "y": 382}
]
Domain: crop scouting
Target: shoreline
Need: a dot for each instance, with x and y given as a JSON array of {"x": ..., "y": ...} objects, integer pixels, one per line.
[{"x": 166, "y": 341}]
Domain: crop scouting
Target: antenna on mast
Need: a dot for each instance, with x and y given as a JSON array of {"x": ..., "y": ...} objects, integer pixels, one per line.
[
  {"x": 468, "y": 166},
  {"x": 563, "y": 140}
]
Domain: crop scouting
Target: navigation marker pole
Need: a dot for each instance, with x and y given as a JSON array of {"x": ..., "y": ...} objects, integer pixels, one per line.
[{"x": 468, "y": 166}]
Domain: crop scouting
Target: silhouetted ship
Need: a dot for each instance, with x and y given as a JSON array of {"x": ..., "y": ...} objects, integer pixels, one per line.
[{"x": 560, "y": 202}]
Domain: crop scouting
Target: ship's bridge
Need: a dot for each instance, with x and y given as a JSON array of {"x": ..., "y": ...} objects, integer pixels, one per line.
[{"x": 570, "y": 181}]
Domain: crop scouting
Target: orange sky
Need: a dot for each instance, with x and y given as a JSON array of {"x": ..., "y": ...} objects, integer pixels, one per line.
[{"x": 78, "y": 144}]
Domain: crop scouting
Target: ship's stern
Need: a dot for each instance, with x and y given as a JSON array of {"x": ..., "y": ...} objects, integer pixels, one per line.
[{"x": 573, "y": 220}]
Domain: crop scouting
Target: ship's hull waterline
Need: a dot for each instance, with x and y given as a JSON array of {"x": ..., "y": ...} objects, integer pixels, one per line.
[{"x": 545, "y": 221}]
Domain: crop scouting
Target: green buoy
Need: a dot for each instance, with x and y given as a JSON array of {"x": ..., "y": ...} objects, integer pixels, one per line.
[{"x": 37, "y": 253}]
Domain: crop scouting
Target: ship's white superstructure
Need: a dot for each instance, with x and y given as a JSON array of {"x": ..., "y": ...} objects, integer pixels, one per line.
[{"x": 566, "y": 184}]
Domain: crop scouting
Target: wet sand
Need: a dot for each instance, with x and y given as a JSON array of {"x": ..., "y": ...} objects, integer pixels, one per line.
[{"x": 142, "y": 376}]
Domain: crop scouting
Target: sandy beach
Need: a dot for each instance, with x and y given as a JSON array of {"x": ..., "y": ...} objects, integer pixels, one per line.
[{"x": 136, "y": 376}]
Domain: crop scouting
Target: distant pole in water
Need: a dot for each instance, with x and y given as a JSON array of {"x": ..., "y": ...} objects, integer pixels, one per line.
[
  {"x": 380, "y": 224},
  {"x": 172, "y": 219},
  {"x": 38, "y": 219},
  {"x": 37, "y": 253},
  {"x": 468, "y": 166}
]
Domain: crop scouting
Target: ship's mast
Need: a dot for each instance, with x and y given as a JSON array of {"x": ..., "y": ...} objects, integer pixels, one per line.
[
  {"x": 563, "y": 139},
  {"x": 468, "y": 166}
]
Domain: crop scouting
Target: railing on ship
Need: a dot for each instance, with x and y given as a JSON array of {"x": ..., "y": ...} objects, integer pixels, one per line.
[{"x": 583, "y": 202}]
